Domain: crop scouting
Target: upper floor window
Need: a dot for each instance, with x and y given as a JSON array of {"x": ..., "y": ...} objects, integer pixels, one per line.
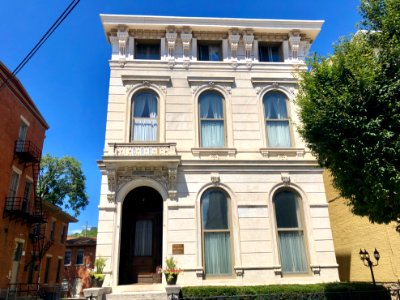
[
  {"x": 144, "y": 117},
  {"x": 52, "y": 230},
  {"x": 216, "y": 233},
  {"x": 290, "y": 232},
  {"x": 147, "y": 49},
  {"x": 27, "y": 195},
  {"x": 276, "y": 120},
  {"x": 67, "y": 257},
  {"x": 12, "y": 192},
  {"x": 23, "y": 129},
  {"x": 63, "y": 233},
  {"x": 209, "y": 51},
  {"x": 79, "y": 256},
  {"x": 211, "y": 117},
  {"x": 270, "y": 52}
]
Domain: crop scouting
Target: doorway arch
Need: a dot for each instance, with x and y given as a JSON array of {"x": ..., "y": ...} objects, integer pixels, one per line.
[{"x": 141, "y": 236}]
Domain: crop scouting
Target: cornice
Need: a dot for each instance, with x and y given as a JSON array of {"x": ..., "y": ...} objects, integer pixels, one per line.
[{"x": 309, "y": 27}]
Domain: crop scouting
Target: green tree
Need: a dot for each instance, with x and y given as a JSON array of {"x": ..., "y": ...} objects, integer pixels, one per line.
[
  {"x": 350, "y": 112},
  {"x": 62, "y": 183},
  {"x": 89, "y": 232}
]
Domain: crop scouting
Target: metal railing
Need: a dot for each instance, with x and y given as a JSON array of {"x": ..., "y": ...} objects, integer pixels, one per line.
[
  {"x": 33, "y": 291},
  {"x": 27, "y": 151},
  {"x": 23, "y": 208}
]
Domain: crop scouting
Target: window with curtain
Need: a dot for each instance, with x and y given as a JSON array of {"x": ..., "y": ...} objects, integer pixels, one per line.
[
  {"x": 290, "y": 233},
  {"x": 209, "y": 51},
  {"x": 276, "y": 120},
  {"x": 211, "y": 110},
  {"x": 270, "y": 52},
  {"x": 144, "y": 117},
  {"x": 216, "y": 233},
  {"x": 143, "y": 238}
]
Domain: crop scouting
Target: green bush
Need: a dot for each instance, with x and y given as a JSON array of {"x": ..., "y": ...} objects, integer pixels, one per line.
[{"x": 355, "y": 291}]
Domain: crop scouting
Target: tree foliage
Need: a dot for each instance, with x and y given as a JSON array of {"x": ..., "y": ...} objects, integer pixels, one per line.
[
  {"x": 62, "y": 183},
  {"x": 350, "y": 112},
  {"x": 87, "y": 232}
]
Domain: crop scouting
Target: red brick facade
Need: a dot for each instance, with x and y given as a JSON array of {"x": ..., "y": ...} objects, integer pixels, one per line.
[
  {"x": 18, "y": 209},
  {"x": 82, "y": 253}
]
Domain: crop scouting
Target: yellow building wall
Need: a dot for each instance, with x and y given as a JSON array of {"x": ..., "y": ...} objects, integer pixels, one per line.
[{"x": 350, "y": 233}]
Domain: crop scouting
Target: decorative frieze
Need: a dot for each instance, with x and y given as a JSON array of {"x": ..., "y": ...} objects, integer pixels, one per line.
[
  {"x": 147, "y": 34},
  {"x": 207, "y": 35},
  {"x": 270, "y": 37},
  {"x": 225, "y": 83}
]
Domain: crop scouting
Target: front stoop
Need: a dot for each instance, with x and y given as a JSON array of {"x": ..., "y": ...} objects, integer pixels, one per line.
[{"x": 150, "y": 295}]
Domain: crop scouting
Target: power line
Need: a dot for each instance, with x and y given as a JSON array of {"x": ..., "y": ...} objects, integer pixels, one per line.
[{"x": 44, "y": 38}]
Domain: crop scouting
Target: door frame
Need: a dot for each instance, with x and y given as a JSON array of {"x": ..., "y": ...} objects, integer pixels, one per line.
[{"x": 122, "y": 193}]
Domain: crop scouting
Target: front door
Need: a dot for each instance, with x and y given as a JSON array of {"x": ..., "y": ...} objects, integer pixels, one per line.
[{"x": 141, "y": 237}]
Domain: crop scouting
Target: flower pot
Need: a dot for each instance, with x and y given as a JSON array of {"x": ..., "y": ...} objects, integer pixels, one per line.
[
  {"x": 97, "y": 282},
  {"x": 171, "y": 278}
]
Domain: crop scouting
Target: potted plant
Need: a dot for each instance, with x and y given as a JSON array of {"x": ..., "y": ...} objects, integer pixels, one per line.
[
  {"x": 171, "y": 271},
  {"x": 97, "y": 275}
]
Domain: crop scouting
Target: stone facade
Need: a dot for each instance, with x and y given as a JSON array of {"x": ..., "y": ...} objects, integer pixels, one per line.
[{"x": 247, "y": 170}]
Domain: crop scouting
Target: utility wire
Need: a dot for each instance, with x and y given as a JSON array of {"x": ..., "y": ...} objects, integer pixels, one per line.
[{"x": 44, "y": 38}]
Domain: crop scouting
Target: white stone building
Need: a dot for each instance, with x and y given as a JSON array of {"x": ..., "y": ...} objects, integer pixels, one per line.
[{"x": 202, "y": 159}]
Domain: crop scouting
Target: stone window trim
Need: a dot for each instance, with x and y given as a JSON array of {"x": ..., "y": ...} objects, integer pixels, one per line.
[
  {"x": 223, "y": 85},
  {"x": 134, "y": 84}
]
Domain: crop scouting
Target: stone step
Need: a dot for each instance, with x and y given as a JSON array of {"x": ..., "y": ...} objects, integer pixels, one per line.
[{"x": 151, "y": 295}]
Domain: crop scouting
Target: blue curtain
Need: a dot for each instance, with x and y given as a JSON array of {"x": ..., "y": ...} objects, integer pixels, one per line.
[
  {"x": 217, "y": 245},
  {"x": 211, "y": 119},
  {"x": 277, "y": 123},
  {"x": 144, "y": 119}
]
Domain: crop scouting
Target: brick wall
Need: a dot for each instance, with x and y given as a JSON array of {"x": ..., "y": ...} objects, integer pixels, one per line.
[{"x": 350, "y": 233}]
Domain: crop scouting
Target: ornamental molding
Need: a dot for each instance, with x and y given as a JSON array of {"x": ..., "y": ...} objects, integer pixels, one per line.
[
  {"x": 271, "y": 37},
  {"x": 234, "y": 39},
  {"x": 198, "y": 83},
  {"x": 294, "y": 43},
  {"x": 147, "y": 34},
  {"x": 263, "y": 85},
  {"x": 285, "y": 177},
  {"x": 165, "y": 176},
  {"x": 283, "y": 153},
  {"x": 206, "y": 35},
  {"x": 214, "y": 153},
  {"x": 248, "y": 40},
  {"x": 171, "y": 36},
  {"x": 133, "y": 82},
  {"x": 215, "y": 179}
]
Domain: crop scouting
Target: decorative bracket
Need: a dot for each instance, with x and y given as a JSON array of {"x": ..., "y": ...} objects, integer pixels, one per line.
[
  {"x": 172, "y": 175},
  {"x": 186, "y": 43},
  {"x": 294, "y": 42},
  {"x": 112, "y": 179},
  {"x": 111, "y": 197},
  {"x": 248, "y": 45},
  {"x": 234, "y": 42}
]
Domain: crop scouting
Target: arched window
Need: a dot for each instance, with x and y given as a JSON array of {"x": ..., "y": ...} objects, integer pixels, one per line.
[
  {"x": 216, "y": 233},
  {"x": 211, "y": 115},
  {"x": 276, "y": 120},
  {"x": 144, "y": 117},
  {"x": 290, "y": 232}
]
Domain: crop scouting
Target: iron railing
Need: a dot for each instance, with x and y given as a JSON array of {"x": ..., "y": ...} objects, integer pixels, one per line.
[
  {"x": 23, "y": 209},
  {"x": 33, "y": 291},
  {"x": 27, "y": 151}
]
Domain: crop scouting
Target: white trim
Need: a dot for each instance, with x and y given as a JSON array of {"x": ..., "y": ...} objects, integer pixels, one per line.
[
  {"x": 16, "y": 170},
  {"x": 19, "y": 240},
  {"x": 23, "y": 119}
]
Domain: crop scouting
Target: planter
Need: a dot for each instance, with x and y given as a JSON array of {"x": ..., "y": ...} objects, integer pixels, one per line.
[
  {"x": 96, "y": 281},
  {"x": 171, "y": 279}
]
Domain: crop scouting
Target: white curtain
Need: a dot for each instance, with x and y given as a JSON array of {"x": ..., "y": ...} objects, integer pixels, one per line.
[
  {"x": 293, "y": 256},
  {"x": 277, "y": 122},
  {"x": 143, "y": 238},
  {"x": 144, "y": 119},
  {"x": 212, "y": 127},
  {"x": 217, "y": 247}
]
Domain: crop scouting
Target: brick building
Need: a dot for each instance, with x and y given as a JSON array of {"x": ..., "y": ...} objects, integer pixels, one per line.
[
  {"x": 352, "y": 233},
  {"x": 32, "y": 233},
  {"x": 79, "y": 260}
]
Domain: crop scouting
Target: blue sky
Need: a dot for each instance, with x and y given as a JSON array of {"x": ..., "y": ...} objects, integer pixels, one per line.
[{"x": 68, "y": 77}]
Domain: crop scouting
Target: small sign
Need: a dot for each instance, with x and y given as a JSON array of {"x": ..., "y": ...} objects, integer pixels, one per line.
[{"x": 178, "y": 249}]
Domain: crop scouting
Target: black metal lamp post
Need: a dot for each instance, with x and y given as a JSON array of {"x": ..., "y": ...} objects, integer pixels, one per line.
[{"x": 364, "y": 255}]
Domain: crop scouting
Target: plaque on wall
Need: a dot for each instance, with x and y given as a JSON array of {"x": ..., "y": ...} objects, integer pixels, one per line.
[{"x": 178, "y": 249}]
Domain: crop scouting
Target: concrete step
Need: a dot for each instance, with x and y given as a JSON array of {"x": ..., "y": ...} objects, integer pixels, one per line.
[{"x": 150, "y": 295}]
